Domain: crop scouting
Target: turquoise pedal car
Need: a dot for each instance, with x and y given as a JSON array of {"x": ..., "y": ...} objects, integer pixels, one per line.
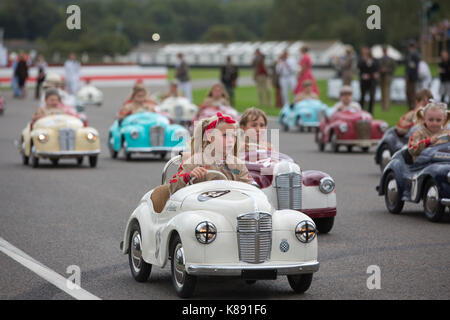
[
  {"x": 305, "y": 114},
  {"x": 146, "y": 132}
]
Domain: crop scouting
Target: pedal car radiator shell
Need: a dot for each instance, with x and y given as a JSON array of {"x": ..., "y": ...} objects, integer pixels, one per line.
[{"x": 254, "y": 234}]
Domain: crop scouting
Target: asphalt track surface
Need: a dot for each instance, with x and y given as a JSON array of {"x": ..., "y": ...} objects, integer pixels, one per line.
[{"x": 69, "y": 215}]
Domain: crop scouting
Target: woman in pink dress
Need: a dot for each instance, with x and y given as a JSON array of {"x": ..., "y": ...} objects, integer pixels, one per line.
[{"x": 305, "y": 72}]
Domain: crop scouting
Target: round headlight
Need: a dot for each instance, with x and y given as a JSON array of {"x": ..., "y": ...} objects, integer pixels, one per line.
[
  {"x": 305, "y": 231},
  {"x": 134, "y": 134},
  {"x": 43, "y": 137},
  {"x": 205, "y": 232},
  {"x": 326, "y": 185},
  {"x": 91, "y": 137},
  {"x": 343, "y": 127}
]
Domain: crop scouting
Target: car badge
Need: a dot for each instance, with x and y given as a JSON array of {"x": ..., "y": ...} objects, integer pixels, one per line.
[
  {"x": 284, "y": 245},
  {"x": 205, "y": 196}
]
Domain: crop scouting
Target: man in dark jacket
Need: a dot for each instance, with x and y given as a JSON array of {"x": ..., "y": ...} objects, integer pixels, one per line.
[
  {"x": 228, "y": 75},
  {"x": 182, "y": 75},
  {"x": 368, "y": 72},
  {"x": 22, "y": 73},
  {"x": 387, "y": 69},
  {"x": 411, "y": 73}
]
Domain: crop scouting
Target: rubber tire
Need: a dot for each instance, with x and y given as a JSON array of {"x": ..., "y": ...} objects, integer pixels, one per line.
[
  {"x": 93, "y": 161},
  {"x": 440, "y": 209},
  {"x": 128, "y": 156},
  {"x": 284, "y": 125},
  {"x": 399, "y": 205},
  {"x": 34, "y": 160},
  {"x": 146, "y": 268},
  {"x": 320, "y": 142},
  {"x": 54, "y": 161},
  {"x": 334, "y": 146},
  {"x": 162, "y": 155},
  {"x": 349, "y": 148},
  {"x": 80, "y": 161},
  {"x": 300, "y": 283},
  {"x": 365, "y": 149},
  {"x": 25, "y": 159},
  {"x": 187, "y": 290},
  {"x": 250, "y": 282},
  {"x": 324, "y": 225},
  {"x": 112, "y": 152}
]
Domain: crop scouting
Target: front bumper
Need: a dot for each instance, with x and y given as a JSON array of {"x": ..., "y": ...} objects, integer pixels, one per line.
[
  {"x": 155, "y": 149},
  {"x": 359, "y": 142},
  {"x": 67, "y": 154},
  {"x": 237, "y": 270},
  {"x": 445, "y": 202}
]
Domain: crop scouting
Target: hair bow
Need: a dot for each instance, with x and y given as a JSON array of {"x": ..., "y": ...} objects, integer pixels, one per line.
[{"x": 220, "y": 117}]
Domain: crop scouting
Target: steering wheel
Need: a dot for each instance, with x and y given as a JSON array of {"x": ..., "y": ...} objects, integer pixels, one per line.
[{"x": 212, "y": 172}]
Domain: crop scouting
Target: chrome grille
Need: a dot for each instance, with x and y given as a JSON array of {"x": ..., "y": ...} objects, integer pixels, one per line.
[
  {"x": 254, "y": 233},
  {"x": 157, "y": 136},
  {"x": 289, "y": 191},
  {"x": 66, "y": 139},
  {"x": 363, "y": 129}
]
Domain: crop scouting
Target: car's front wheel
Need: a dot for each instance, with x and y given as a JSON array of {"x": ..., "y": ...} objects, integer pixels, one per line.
[
  {"x": 300, "y": 283},
  {"x": 183, "y": 282},
  {"x": 113, "y": 153},
  {"x": 334, "y": 144},
  {"x": 320, "y": 142},
  {"x": 139, "y": 268},
  {"x": 284, "y": 124},
  {"x": 324, "y": 225},
  {"x": 93, "y": 161},
  {"x": 25, "y": 159},
  {"x": 54, "y": 161},
  {"x": 434, "y": 210},
  {"x": 392, "y": 196},
  {"x": 33, "y": 158}
]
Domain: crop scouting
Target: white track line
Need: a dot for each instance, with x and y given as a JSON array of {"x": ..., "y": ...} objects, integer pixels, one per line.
[{"x": 44, "y": 272}]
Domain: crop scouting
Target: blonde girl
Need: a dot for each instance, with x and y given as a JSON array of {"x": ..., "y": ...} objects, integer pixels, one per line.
[{"x": 433, "y": 130}]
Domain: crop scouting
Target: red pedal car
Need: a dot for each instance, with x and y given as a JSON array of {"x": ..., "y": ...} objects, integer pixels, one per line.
[{"x": 350, "y": 128}]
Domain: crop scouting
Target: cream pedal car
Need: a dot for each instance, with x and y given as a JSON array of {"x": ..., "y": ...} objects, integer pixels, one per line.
[
  {"x": 59, "y": 136},
  {"x": 219, "y": 228},
  {"x": 180, "y": 109}
]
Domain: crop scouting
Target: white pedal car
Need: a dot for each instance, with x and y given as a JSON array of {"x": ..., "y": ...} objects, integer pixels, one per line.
[
  {"x": 90, "y": 95},
  {"x": 180, "y": 109},
  {"x": 219, "y": 228}
]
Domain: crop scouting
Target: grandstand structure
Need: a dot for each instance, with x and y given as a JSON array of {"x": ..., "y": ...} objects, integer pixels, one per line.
[{"x": 241, "y": 53}]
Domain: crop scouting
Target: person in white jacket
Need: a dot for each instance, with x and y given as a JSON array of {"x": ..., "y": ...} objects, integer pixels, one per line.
[
  {"x": 425, "y": 77},
  {"x": 72, "y": 68},
  {"x": 286, "y": 68}
]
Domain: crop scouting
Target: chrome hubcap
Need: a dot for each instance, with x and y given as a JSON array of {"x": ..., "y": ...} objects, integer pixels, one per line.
[
  {"x": 392, "y": 191},
  {"x": 432, "y": 199},
  {"x": 179, "y": 265},
  {"x": 136, "y": 251}
]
